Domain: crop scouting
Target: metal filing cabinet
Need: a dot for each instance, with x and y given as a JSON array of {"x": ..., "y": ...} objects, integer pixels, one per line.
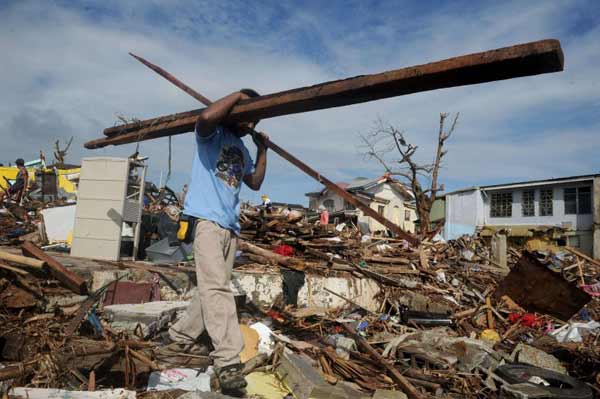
[{"x": 111, "y": 193}]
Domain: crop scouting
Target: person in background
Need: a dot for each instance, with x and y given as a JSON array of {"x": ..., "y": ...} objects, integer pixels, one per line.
[
  {"x": 324, "y": 219},
  {"x": 266, "y": 203},
  {"x": 19, "y": 188}
]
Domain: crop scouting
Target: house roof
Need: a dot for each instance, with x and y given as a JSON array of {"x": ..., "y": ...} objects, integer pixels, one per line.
[
  {"x": 360, "y": 185},
  {"x": 554, "y": 180},
  {"x": 363, "y": 183},
  {"x": 570, "y": 179}
]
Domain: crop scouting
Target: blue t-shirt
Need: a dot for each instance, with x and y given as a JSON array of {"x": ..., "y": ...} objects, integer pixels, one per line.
[{"x": 220, "y": 163}]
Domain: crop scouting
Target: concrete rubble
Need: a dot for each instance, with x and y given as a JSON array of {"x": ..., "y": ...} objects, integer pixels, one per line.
[
  {"x": 325, "y": 310},
  {"x": 374, "y": 316},
  {"x": 529, "y": 355}
]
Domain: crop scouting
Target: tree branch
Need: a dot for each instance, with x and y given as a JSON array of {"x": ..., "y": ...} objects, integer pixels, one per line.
[{"x": 384, "y": 138}]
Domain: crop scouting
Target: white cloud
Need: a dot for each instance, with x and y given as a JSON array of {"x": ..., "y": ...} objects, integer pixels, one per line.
[{"x": 68, "y": 73}]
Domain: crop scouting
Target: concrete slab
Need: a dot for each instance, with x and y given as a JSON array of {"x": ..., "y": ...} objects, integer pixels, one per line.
[
  {"x": 523, "y": 391},
  {"x": 64, "y": 301},
  {"x": 151, "y": 316},
  {"x": 101, "y": 278},
  {"x": 262, "y": 289},
  {"x": 298, "y": 375},
  {"x": 529, "y": 355}
]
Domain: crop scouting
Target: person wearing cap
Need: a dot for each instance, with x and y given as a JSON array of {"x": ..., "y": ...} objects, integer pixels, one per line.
[
  {"x": 266, "y": 203},
  {"x": 19, "y": 188},
  {"x": 221, "y": 164}
]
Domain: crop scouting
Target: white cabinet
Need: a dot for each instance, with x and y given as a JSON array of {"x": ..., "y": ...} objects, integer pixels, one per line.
[{"x": 111, "y": 195}]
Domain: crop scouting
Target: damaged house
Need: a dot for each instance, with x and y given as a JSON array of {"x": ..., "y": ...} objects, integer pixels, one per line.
[
  {"x": 565, "y": 205},
  {"x": 387, "y": 196}
]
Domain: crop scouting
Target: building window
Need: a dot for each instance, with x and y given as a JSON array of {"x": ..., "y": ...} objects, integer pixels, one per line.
[
  {"x": 546, "y": 208},
  {"x": 381, "y": 209},
  {"x": 584, "y": 200},
  {"x": 570, "y": 201},
  {"x": 578, "y": 200},
  {"x": 528, "y": 203},
  {"x": 329, "y": 205},
  {"x": 348, "y": 206},
  {"x": 407, "y": 215},
  {"x": 501, "y": 205}
]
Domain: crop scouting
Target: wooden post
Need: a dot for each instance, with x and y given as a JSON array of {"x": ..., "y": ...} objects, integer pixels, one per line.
[
  {"x": 499, "y": 250},
  {"x": 22, "y": 260},
  {"x": 490, "y": 314},
  {"x": 92, "y": 381},
  {"x": 71, "y": 280},
  {"x": 398, "y": 378}
]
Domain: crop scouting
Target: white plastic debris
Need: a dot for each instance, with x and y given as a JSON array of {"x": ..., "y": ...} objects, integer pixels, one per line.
[
  {"x": 266, "y": 342},
  {"x": 343, "y": 345},
  {"x": 467, "y": 254},
  {"x": 440, "y": 276},
  {"x": 59, "y": 222},
  {"x": 574, "y": 332},
  {"x": 539, "y": 381},
  {"x": 438, "y": 238},
  {"x": 340, "y": 227},
  {"x": 383, "y": 247},
  {"x": 184, "y": 379}
]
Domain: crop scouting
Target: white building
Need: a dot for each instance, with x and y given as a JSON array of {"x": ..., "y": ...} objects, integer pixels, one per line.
[
  {"x": 571, "y": 203},
  {"x": 387, "y": 196}
]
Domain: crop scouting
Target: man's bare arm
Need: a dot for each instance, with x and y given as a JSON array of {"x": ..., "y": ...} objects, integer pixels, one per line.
[
  {"x": 255, "y": 180},
  {"x": 213, "y": 114}
]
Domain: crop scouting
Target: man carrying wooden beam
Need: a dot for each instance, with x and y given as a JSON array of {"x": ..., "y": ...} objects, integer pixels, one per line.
[{"x": 221, "y": 164}]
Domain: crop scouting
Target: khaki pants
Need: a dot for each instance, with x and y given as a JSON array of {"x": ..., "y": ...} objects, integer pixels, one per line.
[{"x": 213, "y": 306}]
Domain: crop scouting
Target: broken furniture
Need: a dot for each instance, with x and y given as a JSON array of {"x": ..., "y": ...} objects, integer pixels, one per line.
[{"x": 111, "y": 196}]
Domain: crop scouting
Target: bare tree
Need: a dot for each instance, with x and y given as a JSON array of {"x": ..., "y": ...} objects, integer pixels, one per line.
[
  {"x": 59, "y": 155},
  {"x": 384, "y": 139}
]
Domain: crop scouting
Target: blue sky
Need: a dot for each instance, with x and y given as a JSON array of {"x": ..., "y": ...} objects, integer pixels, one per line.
[{"x": 66, "y": 73}]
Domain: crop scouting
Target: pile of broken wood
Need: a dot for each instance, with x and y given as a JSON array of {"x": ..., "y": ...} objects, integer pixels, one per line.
[{"x": 434, "y": 298}]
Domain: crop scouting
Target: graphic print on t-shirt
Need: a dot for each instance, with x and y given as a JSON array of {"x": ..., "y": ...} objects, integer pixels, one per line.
[{"x": 230, "y": 166}]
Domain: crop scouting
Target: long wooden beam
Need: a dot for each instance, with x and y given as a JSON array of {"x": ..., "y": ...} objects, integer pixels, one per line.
[
  {"x": 71, "y": 280},
  {"x": 505, "y": 63},
  {"x": 397, "y": 230},
  {"x": 407, "y": 387}
]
